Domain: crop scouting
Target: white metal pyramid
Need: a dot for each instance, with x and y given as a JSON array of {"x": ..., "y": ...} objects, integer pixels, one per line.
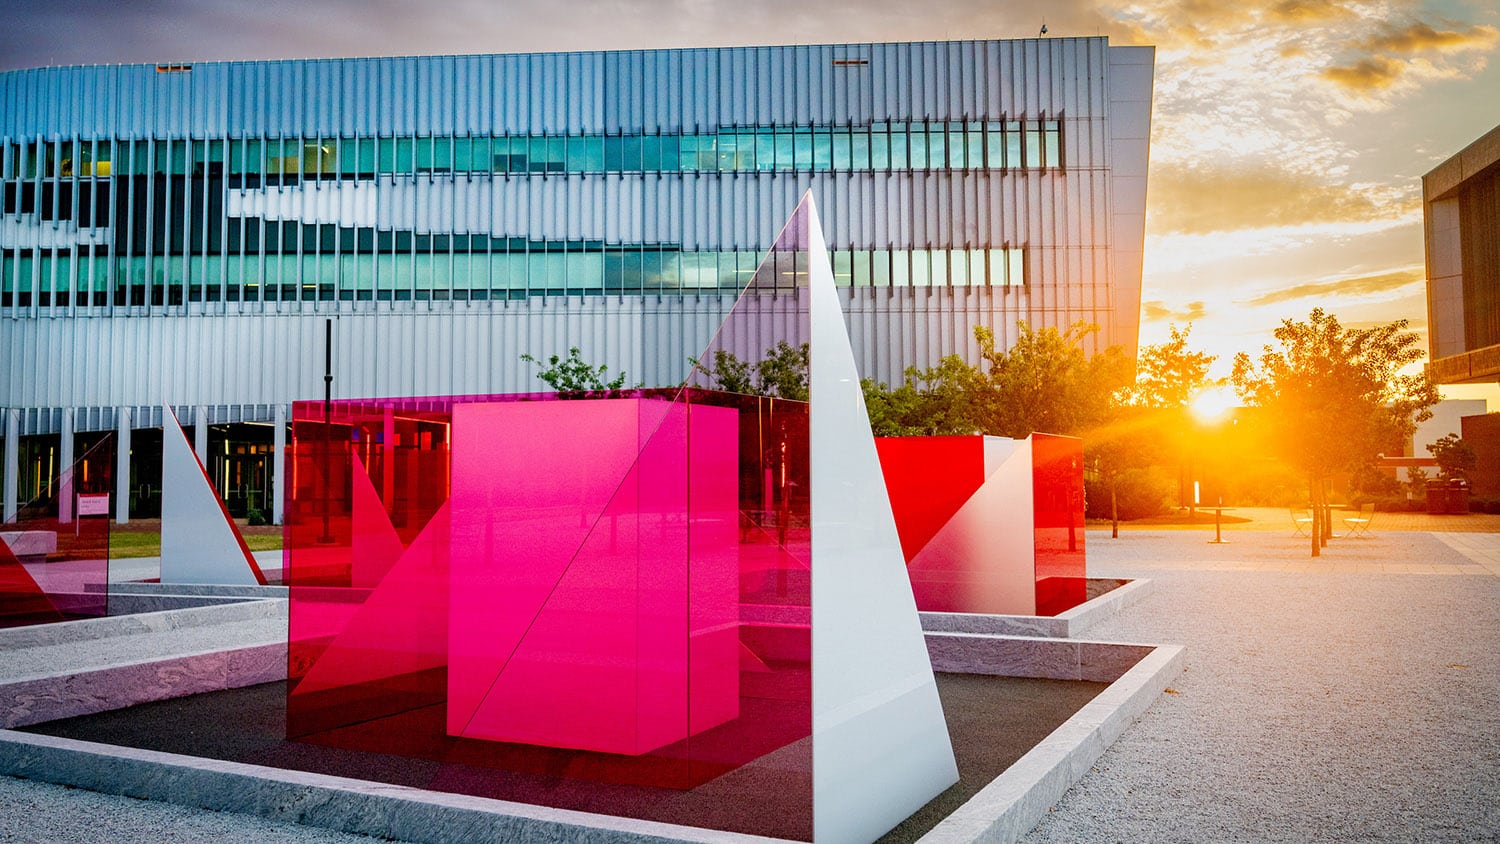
[
  {"x": 199, "y": 544},
  {"x": 881, "y": 748}
]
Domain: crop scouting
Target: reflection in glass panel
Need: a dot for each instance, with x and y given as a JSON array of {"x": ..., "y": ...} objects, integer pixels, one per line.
[
  {"x": 959, "y": 267},
  {"x": 1015, "y": 275}
]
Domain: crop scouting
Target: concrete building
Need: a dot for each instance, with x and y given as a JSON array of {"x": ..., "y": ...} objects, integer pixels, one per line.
[
  {"x": 178, "y": 234},
  {"x": 1461, "y": 212}
]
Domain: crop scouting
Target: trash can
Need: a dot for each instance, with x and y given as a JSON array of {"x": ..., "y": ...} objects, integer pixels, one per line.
[
  {"x": 1437, "y": 498},
  {"x": 1458, "y": 497}
]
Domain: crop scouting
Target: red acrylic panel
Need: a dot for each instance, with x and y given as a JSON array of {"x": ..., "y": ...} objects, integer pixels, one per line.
[
  {"x": 54, "y": 564},
  {"x": 1057, "y": 495},
  {"x": 928, "y": 479}
]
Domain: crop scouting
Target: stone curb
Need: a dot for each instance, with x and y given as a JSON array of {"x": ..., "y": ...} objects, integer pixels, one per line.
[
  {"x": 146, "y": 622},
  {"x": 318, "y": 800},
  {"x": 34, "y": 699},
  {"x": 1012, "y": 804},
  {"x": 1060, "y": 626}
]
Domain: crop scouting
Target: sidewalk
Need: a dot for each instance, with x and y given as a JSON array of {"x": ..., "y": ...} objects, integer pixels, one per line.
[{"x": 1349, "y": 698}]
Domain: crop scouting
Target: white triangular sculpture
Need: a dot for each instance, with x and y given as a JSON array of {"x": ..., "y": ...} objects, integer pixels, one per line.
[
  {"x": 881, "y": 748},
  {"x": 996, "y": 526},
  {"x": 199, "y": 544}
]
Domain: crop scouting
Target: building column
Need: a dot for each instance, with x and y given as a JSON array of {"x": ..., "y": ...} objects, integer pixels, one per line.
[
  {"x": 278, "y": 463},
  {"x": 200, "y": 435},
  {"x": 65, "y": 469},
  {"x": 122, "y": 466},
  {"x": 12, "y": 461}
]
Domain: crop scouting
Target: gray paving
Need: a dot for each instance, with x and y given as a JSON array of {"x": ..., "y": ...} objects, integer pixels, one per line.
[
  {"x": 73, "y": 657},
  {"x": 50, "y": 814},
  {"x": 1315, "y": 706}
]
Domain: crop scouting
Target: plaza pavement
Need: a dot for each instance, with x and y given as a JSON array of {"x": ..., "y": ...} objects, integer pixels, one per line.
[
  {"x": 1348, "y": 698},
  {"x": 1355, "y": 697}
]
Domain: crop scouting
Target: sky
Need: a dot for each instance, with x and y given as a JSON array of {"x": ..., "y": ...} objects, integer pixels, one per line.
[{"x": 1289, "y": 136}]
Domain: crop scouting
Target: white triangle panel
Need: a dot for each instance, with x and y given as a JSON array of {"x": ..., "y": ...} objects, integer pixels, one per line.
[
  {"x": 199, "y": 544},
  {"x": 881, "y": 748}
]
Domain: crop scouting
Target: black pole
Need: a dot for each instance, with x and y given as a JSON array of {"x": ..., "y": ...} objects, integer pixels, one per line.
[{"x": 327, "y": 536}]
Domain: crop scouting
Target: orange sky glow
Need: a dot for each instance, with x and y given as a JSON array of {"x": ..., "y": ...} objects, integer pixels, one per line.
[{"x": 1290, "y": 135}]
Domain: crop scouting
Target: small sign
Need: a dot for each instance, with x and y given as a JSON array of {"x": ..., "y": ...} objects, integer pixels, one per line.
[{"x": 93, "y": 505}]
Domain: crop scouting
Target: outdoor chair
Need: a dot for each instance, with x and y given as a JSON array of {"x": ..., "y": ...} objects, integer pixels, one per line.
[
  {"x": 1301, "y": 520},
  {"x": 1360, "y": 525}
]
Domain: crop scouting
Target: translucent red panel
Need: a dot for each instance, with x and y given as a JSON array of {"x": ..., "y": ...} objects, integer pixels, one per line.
[
  {"x": 928, "y": 479},
  {"x": 54, "y": 565},
  {"x": 1057, "y": 495}
]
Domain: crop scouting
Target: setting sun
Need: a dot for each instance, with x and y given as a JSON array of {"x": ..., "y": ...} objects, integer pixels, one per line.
[{"x": 1213, "y": 403}]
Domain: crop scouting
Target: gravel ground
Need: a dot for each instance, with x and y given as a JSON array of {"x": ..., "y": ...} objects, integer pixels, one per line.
[
  {"x": 1315, "y": 706},
  {"x": 51, "y": 814}
]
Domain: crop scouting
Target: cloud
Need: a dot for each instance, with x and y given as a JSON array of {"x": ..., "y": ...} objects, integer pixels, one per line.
[
  {"x": 1308, "y": 11},
  {"x": 1188, "y": 199},
  {"x": 1374, "y": 73},
  {"x": 1420, "y": 38},
  {"x": 1358, "y": 285},
  {"x": 1158, "y": 311},
  {"x": 1387, "y": 56}
]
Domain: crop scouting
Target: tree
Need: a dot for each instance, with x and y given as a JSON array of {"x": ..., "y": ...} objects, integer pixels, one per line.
[
  {"x": 782, "y": 373},
  {"x": 1127, "y": 441},
  {"x": 574, "y": 378},
  {"x": 1168, "y": 377},
  {"x": 1169, "y": 374},
  {"x": 1046, "y": 382},
  {"x": 937, "y": 401},
  {"x": 1455, "y": 458},
  {"x": 1335, "y": 397}
]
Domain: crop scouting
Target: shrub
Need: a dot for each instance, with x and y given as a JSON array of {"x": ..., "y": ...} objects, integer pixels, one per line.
[
  {"x": 256, "y": 516},
  {"x": 1139, "y": 493}
]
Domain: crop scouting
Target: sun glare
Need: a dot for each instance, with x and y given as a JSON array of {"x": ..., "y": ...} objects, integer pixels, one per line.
[{"x": 1212, "y": 403}]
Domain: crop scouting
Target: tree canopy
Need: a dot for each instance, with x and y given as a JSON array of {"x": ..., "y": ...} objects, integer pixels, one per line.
[{"x": 1335, "y": 396}]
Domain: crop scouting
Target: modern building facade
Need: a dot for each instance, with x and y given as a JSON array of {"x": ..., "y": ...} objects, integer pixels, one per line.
[
  {"x": 179, "y": 234},
  {"x": 1461, "y": 212}
]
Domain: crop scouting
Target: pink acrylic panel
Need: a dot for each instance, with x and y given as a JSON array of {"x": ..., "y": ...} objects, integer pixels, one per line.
[
  {"x": 1057, "y": 496},
  {"x": 571, "y": 585},
  {"x": 368, "y": 622},
  {"x": 52, "y": 569}
]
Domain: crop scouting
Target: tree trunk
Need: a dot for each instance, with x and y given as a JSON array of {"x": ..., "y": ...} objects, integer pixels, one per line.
[
  {"x": 1114, "y": 512},
  {"x": 1317, "y": 519}
]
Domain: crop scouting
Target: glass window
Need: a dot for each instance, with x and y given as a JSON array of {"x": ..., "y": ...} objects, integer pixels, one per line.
[
  {"x": 842, "y": 156},
  {"x": 387, "y": 149},
  {"x": 843, "y": 267},
  {"x": 880, "y": 268},
  {"x": 765, "y": 151},
  {"x": 1052, "y": 142},
  {"x": 977, "y": 275},
  {"x": 859, "y": 149},
  {"x": 1016, "y": 271},
  {"x": 803, "y": 152},
  {"x": 784, "y": 151},
  {"x": 631, "y": 153},
  {"x": 880, "y": 149},
  {"x": 917, "y": 149},
  {"x": 958, "y": 275},
  {"x": 939, "y": 276},
  {"x": 921, "y": 268},
  {"x": 463, "y": 155},
  {"x": 405, "y": 155},
  {"x": 956, "y": 139},
  {"x": 651, "y": 158},
  {"x": 937, "y": 153},
  {"x": 585, "y": 271},
  {"x": 1013, "y": 144},
  {"x": 708, "y": 154},
  {"x": 1033, "y": 143},
  {"x": 994, "y": 146},
  {"x": 424, "y": 155},
  {"x": 614, "y": 153},
  {"x": 728, "y": 147},
  {"x": 822, "y": 150},
  {"x": 557, "y": 155},
  {"x": 975, "y": 149},
  {"x": 366, "y": 156},
  {"x": 862, "y": 277}
]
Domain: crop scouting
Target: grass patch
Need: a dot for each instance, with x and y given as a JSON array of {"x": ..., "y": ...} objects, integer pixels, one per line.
[{"x": 124, "y": 544}]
